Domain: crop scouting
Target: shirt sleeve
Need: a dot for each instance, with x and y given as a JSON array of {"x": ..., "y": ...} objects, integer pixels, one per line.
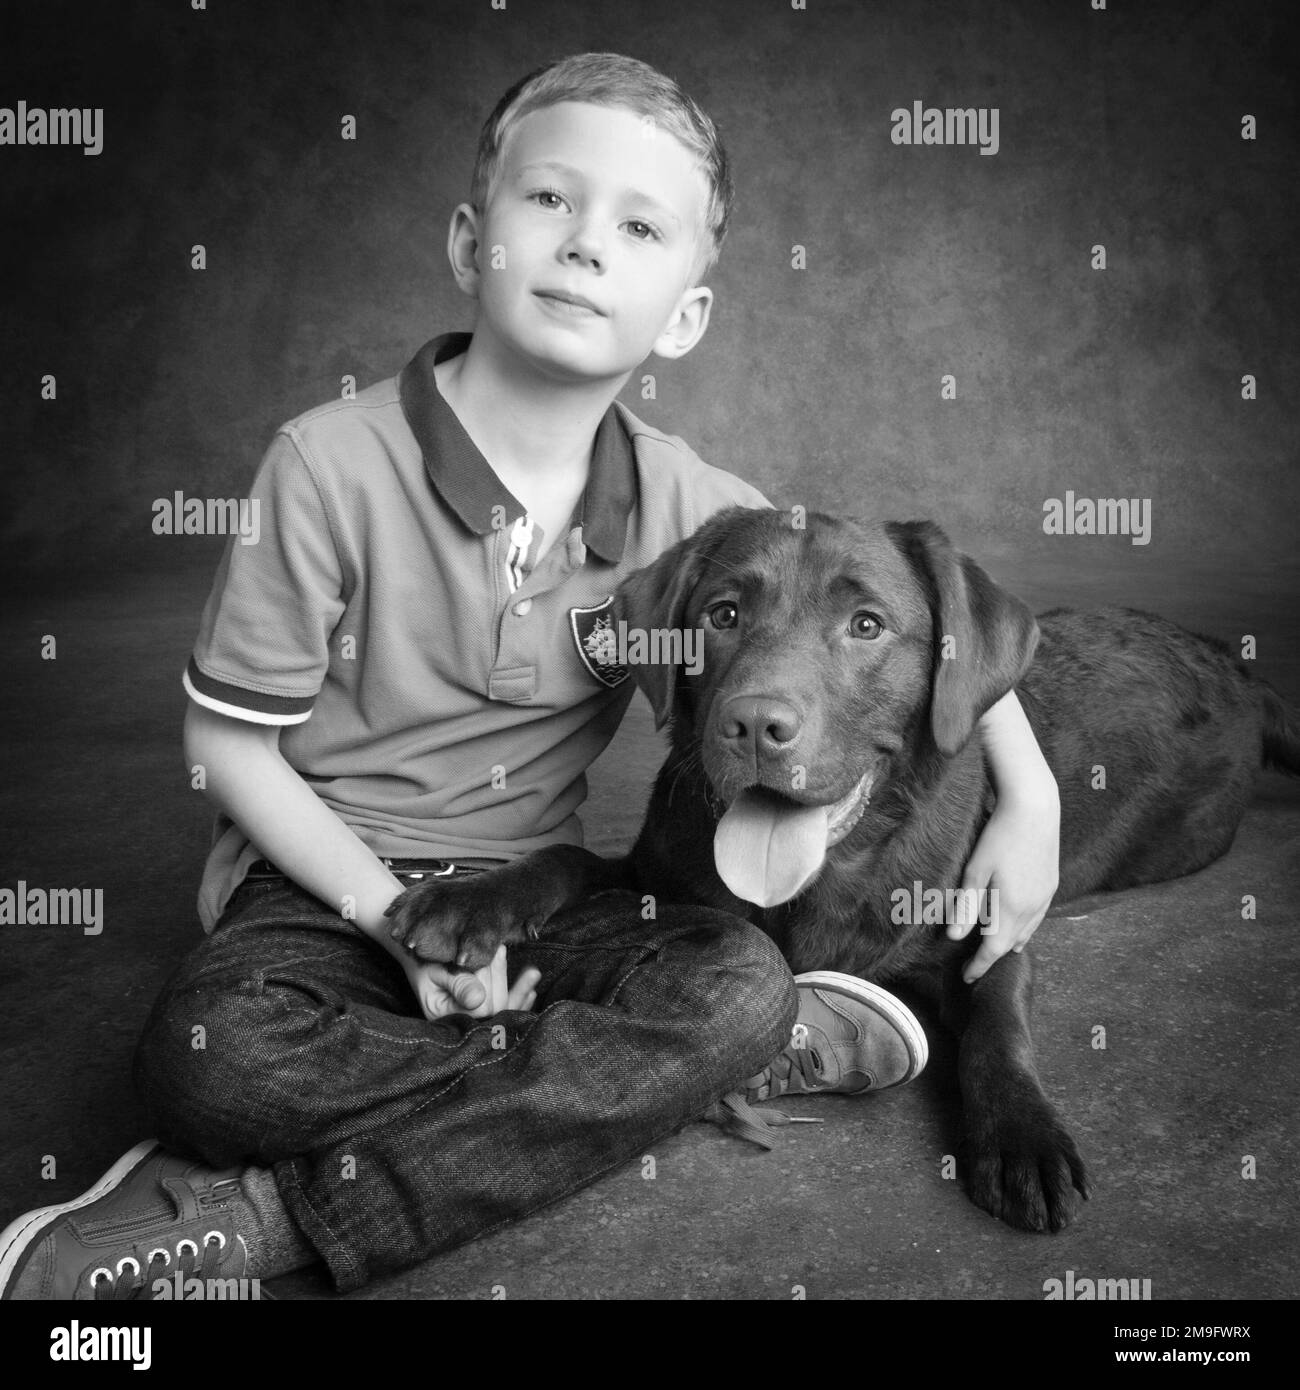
[
  {"x": 714, "y": 489},
  {"x": 726, "y": 490},
  {"x": 263, "y": 644}
]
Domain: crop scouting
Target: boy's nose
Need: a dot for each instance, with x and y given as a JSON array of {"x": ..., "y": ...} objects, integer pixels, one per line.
[{"x": 586, "y": 245}]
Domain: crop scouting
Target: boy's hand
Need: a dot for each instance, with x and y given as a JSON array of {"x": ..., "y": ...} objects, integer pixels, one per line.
[
  {"x": 1014, "y": 868},
  {"x": 1018, "y": 859},
  {"x": 481, "y": 993}
]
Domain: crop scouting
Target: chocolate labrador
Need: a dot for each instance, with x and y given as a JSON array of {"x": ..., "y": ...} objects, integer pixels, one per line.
[{"x": 824, "y": 781}]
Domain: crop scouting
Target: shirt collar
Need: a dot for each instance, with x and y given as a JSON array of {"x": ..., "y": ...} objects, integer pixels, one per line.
[{"x": 465, "y": 481}]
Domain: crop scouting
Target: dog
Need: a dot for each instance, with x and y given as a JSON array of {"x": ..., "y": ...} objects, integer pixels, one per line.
[{"x": 823, "y": 760}]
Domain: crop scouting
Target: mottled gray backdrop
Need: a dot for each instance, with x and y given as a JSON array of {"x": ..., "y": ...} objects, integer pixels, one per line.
[{"x": 325, "y": 257}]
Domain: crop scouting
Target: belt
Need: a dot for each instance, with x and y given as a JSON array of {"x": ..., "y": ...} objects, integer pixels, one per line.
[{"x": 406, "y": 868}]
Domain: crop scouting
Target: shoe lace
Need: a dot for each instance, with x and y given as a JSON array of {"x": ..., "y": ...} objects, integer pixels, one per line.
[
  {"x": 118, "y": 1284},
  {"x": 782, "y": 1068},
  {"x": 733, "y": 1114}
]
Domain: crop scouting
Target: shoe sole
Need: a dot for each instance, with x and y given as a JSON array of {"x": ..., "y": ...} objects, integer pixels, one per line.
[
  {"x": 18, "y": 1235},
  {"x": 903, "y": 1019}
]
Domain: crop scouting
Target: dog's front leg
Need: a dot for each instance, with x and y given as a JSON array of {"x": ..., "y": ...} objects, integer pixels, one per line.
[
  {"x": 463, "y": 920},
  {"x": 1021, "y": 1163}
]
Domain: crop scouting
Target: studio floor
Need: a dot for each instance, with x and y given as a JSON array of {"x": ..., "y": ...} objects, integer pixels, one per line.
[{"x": 1196, "y": 1089}]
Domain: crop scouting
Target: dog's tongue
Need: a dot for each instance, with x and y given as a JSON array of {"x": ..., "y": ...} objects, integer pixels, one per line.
[{"x": 767, "y": 849}]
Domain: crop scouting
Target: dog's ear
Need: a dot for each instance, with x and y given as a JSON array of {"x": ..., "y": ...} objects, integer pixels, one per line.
[
  {"x": 656, "y": 597},
  {"x": 984, "y": 636}
]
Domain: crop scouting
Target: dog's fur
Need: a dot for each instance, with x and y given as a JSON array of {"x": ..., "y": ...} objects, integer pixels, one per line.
[{"x": 797, "y": 698}]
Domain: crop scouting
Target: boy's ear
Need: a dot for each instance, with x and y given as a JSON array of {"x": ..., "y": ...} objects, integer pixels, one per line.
[
  {"x": 688, "y": 324},
  {"x": 463, "y": 248},
  {"x": 656, "y": 597},
  {"x": 984, "y": 637}
]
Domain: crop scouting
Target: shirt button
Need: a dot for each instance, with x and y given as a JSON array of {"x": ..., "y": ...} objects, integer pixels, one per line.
[{"x": 522, "y": 607}]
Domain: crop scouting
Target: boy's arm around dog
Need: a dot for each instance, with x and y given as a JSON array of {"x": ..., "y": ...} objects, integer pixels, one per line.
[{"x": 1019, "y": 850}]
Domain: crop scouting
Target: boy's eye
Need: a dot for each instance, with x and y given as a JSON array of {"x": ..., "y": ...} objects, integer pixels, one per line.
[
  {"x": 548, "y": 198},
  {"x": 724, "y": 615},
  {"x": 641, "y": 231}
]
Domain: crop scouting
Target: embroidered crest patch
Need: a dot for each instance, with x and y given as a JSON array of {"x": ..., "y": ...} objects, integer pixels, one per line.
[{"x": 597, "y": 642}]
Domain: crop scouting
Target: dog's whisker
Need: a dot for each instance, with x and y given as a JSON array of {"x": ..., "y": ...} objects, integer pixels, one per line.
[{"x": 691, "y": 763}]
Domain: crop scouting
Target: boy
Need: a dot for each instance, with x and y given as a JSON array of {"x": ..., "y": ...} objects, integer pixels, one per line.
[{"x": 389, "y": 685}]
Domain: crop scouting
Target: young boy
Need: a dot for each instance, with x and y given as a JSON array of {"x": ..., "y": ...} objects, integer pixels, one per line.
[{"x": 389, "y": 685}]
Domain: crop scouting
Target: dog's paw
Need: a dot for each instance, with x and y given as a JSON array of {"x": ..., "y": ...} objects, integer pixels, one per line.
[
  {"x": 460, "y": 921},
  {"x": 1023, "y": 1166}
]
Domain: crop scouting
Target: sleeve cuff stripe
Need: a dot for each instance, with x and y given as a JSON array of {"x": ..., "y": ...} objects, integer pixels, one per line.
[{"x": 239, "y": 703}]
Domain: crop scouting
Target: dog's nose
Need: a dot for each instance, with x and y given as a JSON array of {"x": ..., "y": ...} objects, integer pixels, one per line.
[{"x": 767, "y": 725}]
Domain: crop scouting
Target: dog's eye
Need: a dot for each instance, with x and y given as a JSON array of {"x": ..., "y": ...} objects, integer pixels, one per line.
[
  {"x": 724, "y": 615},
  {"x": 866, "y": 625}
]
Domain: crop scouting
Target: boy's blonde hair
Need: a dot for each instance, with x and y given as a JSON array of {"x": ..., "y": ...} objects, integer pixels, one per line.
[{"x": 611, "y": 79}]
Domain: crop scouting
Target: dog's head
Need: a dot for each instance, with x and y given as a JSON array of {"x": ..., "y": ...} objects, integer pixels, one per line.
[{"x": 832, "y": 650}]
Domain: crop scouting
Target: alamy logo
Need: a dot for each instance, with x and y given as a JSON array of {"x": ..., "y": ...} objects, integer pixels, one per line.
[
  {"x": 179, "y": 515},
  {"x": 35, "y": 125},
  {"x": 1102, "y": 516},
  {"x": 1086, "y": 1290},
  {"x": 949, "y": 125},
  {"x": 190, "y": 1290},
  {"x": 55, "y": 907},
  {"x": 932, "y": 907},
  {"x": 77, "y": 1343}
]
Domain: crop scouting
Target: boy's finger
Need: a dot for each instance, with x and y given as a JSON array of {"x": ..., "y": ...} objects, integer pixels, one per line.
[
  {"x": 446, "y": 977},
  {"x": 989, "y": 953},
  {"x": 467, "y": 991},
  {"x": 964, "y": 913},
  {"x": 996, "y": 944},
  {"x": 523, "y": 994},
  {"x": 436, "y": 1002},
  {"x": 500, "y": 983},
  {"x": 444, "y": 991}
]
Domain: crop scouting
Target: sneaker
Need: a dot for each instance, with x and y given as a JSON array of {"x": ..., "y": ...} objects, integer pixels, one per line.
[
  {"x": 850, "y": 1036},
  {"x": 150, "y": 1217}
]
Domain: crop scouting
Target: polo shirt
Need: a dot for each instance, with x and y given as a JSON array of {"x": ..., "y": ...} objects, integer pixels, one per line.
[{"x": 433, "y": 678}]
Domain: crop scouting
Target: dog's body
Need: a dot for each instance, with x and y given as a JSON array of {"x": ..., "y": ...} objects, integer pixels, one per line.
[{"x": 846, "y": 667}]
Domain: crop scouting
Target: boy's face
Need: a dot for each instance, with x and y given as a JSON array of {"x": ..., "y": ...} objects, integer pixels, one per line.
[{"x": 591, "y": 204}]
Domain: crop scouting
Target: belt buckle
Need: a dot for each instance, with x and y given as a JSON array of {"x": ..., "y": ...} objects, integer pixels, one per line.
[{"x": 431, "y": 873}]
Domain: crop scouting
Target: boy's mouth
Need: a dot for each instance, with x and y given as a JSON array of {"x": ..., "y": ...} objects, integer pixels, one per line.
[{"x": 568, "y": 303}]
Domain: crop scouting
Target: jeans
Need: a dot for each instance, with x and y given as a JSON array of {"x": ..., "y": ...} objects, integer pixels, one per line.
[{"x": 291, "y": 1040}]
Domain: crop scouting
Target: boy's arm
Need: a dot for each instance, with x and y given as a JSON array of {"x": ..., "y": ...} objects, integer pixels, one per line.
[
  {"x": 249, "y": 779},
  {"x": 1018, "y": 853}
]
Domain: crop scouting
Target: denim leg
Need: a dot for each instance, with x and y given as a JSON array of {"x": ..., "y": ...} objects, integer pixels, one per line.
[{"x": 393, "y": 1138}]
